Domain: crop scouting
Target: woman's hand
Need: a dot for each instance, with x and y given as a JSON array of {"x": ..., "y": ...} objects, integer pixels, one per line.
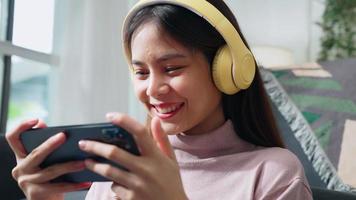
[
  {"x": 34, "y": 181},
  {"x": 152, "y": 175}
]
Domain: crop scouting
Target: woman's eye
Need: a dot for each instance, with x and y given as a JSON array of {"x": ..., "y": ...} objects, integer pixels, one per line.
[
  {"x": 141, "y": 73},
  {"x": 171, "y": 70}
]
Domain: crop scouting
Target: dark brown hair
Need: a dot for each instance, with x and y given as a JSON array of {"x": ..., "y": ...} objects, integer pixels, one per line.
[{"x": 249, "y": 110}]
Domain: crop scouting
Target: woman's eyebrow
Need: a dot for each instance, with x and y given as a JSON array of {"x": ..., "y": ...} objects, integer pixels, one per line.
[
  {"x": 170, "y": 56},
  {"x": 137, "y": 62},
  {"x": 162, "y": 58}
]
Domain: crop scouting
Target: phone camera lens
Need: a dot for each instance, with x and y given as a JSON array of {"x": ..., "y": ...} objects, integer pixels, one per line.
[
  {"x": 110, "y": 133},
  {"x": 127, "y": 146}
]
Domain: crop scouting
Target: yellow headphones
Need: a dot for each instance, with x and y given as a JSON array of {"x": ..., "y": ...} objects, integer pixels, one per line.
[{"x": 233, "y": 66}]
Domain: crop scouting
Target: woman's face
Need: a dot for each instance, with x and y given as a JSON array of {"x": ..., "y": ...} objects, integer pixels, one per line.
[{"x": 174, "y": 83}]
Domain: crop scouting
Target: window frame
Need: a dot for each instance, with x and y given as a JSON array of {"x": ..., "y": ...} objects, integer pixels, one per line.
[
  {"x": 8, "y": 49},
  {"x": 5, "y": 90}
]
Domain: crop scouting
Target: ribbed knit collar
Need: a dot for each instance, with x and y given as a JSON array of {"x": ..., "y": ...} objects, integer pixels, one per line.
[{"x": 221, "y": 141}]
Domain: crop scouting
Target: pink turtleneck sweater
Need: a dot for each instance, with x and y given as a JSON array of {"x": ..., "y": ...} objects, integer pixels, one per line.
[{"x": 220, "y": 165}]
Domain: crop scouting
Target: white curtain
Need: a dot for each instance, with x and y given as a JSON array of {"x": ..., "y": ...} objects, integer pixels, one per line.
[{"x": 92, "y": 76}]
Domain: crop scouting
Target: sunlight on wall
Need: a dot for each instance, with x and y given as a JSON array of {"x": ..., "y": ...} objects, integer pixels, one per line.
[{"x": 33, "y": 24}]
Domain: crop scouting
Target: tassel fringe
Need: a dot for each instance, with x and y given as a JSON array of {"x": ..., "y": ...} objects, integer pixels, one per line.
[{"x": 304, "y": 134}]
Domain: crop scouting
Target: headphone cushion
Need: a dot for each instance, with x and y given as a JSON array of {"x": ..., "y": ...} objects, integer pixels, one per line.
[{"x": 222, "y": 71}]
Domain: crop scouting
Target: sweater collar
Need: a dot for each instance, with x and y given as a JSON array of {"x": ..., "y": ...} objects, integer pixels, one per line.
[{"x": 221, "y": 141}]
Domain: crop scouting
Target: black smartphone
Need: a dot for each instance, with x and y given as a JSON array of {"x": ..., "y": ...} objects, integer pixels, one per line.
[{"x": 69, "y": 151}]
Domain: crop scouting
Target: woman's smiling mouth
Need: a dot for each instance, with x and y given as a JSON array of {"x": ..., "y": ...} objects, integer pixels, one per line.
[{"x": 166, "y": 110}]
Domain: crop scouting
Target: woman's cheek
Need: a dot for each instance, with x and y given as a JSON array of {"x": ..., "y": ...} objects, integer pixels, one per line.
[
  {"x": 140, "y": 90},
  {"x": 180, "y": 85}
]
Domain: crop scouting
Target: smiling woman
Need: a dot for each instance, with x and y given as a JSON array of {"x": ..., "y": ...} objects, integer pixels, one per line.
[
  {"x": 171, "y": 84},
  {"x": 213, "y": 129},
  {"x": 210, "y": 132}
]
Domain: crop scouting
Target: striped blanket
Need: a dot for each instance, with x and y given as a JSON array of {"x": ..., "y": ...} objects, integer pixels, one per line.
[{"x": 325, "y": 95}]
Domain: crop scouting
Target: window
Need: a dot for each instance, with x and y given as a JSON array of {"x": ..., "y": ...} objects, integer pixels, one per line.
[
  {"x": 26, "y": 43},
  {"x": 33, "y": 25},
  {"x": 5, "y": 27},
  {"x": 3, "y": 18},
  {"x": 29, "y": 90}
]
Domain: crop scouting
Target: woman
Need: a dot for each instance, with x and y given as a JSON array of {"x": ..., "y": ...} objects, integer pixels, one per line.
[{"x": 222, "y": 144}]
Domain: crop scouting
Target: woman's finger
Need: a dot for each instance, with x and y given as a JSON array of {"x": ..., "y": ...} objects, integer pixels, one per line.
[
  {"x": 40, "y": 124},
  {"x": 110, "y": 152},
  {"x": 115, "y": 174},
  {"x": 161, "y": 138},
  {"x": 55, "y": 171},
  {"x": 139, "y": 132},
  {"x": 13, "y": 138},
  {"x": 36, "y": 157}
]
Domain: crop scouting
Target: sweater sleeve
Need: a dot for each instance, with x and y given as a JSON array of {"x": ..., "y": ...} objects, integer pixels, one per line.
[
  {"x": 282, "y": 177},
  {"x": 296, "y": 190}
]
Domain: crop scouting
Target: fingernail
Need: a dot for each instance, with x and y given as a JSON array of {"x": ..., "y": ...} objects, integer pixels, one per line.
[
  {"x": 110, "y": 116},
  {"x": 32, "y": 121},
  {"x": 58, "y": 135},
  {"x": 82, "y": 144}
]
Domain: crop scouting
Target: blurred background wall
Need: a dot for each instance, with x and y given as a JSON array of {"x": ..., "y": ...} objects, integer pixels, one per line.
[
  {"x": 82, "y": 73},
  {"x": 285, "y": 24}
]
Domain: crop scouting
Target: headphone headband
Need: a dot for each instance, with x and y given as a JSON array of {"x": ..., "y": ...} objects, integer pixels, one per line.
[{"x": 240, "y": 54}]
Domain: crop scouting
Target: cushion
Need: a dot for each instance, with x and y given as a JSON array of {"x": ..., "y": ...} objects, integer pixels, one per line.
[{"x": 318, "y": 104}]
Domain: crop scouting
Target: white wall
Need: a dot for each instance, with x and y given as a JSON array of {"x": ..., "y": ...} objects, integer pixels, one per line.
[
  {"x": 285, "y": 23},
  {"x": 317, "y": 9},
  {"x": 92, "y": 77}
]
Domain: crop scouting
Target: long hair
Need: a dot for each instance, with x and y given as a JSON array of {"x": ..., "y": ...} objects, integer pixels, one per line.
[{"x": 249, "y": 110}]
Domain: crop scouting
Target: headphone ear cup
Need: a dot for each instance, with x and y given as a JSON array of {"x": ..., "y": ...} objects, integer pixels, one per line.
[{"x": 222, "y": 71}]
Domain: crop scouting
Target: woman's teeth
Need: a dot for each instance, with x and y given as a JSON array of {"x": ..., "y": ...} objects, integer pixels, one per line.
[{"x": 167, "y": 109}]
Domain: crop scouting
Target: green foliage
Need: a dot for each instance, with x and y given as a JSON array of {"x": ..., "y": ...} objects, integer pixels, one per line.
[
  {"x": 339, "y": 27},
  {"x": 14, "y": 110}
]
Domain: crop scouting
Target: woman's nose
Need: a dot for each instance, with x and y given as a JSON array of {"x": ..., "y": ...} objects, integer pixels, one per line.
[{"x": 157, "y": 87}]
